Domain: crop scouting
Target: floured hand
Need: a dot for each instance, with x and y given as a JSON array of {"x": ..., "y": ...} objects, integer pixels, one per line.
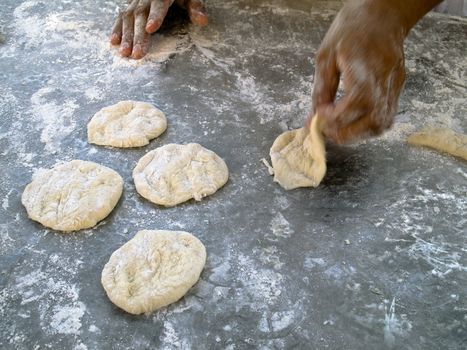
[
  {"x": 143, "y": 17},
  {"x": 365, "y": 45}
]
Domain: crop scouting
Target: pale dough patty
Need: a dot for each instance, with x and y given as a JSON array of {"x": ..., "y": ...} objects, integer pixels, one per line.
[
  {"x": 126, "y": 124},
  {"x": 153, "y": 269},
  {"x": 299, "y": 157},
  {"x": 175, "y": 173},
  {"x": 72, "y": 196}
]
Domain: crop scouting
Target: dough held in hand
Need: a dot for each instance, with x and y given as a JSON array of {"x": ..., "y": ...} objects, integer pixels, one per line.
[
  {"x": 153, "y": 269},
  {"x": 441, "y": 139},
  {"x": 126, "y": 124},
  {"x": 72, "y": 196},
  {"x": 299, "y": 157},
  {"x": 175, "y": 173}
]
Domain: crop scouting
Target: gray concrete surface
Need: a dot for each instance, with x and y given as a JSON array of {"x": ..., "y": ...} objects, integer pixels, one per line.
[{"x": 375, "y": 258}]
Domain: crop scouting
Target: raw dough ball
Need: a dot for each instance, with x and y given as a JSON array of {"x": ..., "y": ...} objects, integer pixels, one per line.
[
  {"x": 299, "y": 157},
  {"x": 72, "y": 196},
  {"x": 173, "y": 174},
  {"x": 153, "y": 269},
  {"x": 126, "y": 124},
  {"x": 441, "y": 139}
]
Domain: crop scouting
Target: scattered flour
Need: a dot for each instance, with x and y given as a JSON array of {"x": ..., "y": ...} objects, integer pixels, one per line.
[
  {"x": 280, "y": 228},
  {"x": 51, "y": 294},
  {"x": 5, "y": 204},
  {"x": 56, "y": 118},
  {"x": 93, "y": 94},
  {"x": 67, "y": 319},
  {"x": 171, "y": 339},
  {"x": 261, "y": 285},
  {"x": 311, "y": 263},
  {"x": 271, "y": 256},
  {"x": 277, "y": 321},
  {"x": 282, "y": 320},
  {"x": 394, "y": 327}
]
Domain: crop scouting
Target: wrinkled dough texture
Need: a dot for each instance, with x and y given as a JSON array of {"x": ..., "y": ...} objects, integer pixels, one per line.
[
  {"x": 72, "y": 196},
  {"x": 153, "y": 269},
  {"x": 299, "y": 157},
  {"x": 126, "y": 124},
  {"x": 175, "y": 173},
  {"x": 441, "y": 139}
]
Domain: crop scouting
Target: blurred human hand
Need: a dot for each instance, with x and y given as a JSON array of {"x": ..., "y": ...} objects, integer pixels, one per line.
[{"x": 365, "y": 45}]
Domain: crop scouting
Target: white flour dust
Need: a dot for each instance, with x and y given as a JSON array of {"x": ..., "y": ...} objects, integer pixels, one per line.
[
  {"x": 280, "y": 228},
  {"x": 393, "y": 326},
  {"x": 277, "y": 321},
  {"x": 262, "y": 285},
  {"x": 442, "y": 256},
  {"x": 171, "y": 338},
  {"x": 51, "y": 295},
  {"x": 67, "y": 319},
  {"x": 57, "y": 118}
]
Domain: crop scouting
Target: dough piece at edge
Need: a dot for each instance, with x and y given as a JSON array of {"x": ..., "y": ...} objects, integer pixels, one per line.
[
  {"x": 72, "y": 196},
  {"x": 174, "y": 173},
  {"x": 441, "y": 139},
  {"x": 126, "y": 124},
  {"x": 299, "y": 157},
  {"x": 153, "y": 269}
]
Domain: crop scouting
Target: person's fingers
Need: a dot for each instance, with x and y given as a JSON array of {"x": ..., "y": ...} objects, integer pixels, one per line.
[
  {"x": 359, "y": 129},
  {"x": 141, "y": 37},
  {"x": 395, "y": 85},
  {"x": 157, "y": 14},
  {"x": 126, "y": 45},
  {"x": 351, "y": 117},
  {"x": 326, "y": 81},
  {"x": 116, "y": 36},
  {"x": 325, "y": 85},
  {"x": 365, "y": 110},
  {"x": 197, "y": 12}
]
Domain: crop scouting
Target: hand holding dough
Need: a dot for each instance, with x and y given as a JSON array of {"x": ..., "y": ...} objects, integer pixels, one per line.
[{"x": 299, "y": 157}]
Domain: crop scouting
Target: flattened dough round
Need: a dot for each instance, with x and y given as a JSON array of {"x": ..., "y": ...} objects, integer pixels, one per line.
[
  {"x": 72, "y": 196},
  {"x": 442, "y": 139},
  {"x": 299, "y": 157},
  {"x": 153, "y": 269},
  {"x": 175, "y": 173},
  {"x": 126, "y": 124}
]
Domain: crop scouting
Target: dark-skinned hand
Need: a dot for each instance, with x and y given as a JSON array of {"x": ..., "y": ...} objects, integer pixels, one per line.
[
  {"x": 133, "y": 26},
  {"x": 364, "y": 45}
]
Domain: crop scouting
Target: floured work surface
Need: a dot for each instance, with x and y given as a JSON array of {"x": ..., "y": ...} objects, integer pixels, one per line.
[
  {"x": 279, "y": 274},
  {"x": 441, "y": 139},
  {"x": 299, "y": 157}
]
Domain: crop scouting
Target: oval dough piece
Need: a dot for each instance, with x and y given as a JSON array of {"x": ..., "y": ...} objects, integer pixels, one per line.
[
  {"x": 442, "y": 139},
  {"x": 126, "y": 124},
  {"x": 299, "y": 157},
  {"x": 153, "y": 269},
  {"x": 72, "y": 196},
  {"x": 174, "y": 173}
]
